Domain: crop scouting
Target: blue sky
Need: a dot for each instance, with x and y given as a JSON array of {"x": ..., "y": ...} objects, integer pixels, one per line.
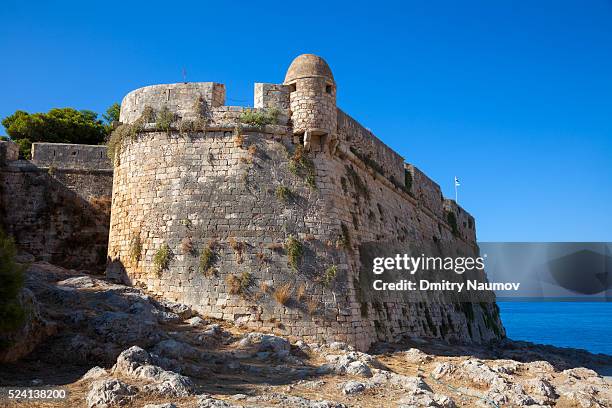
[{"x": 515, "y": 98}]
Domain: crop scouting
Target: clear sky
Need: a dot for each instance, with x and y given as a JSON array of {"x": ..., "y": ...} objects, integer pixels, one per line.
[{"x": 513, "y": 97}]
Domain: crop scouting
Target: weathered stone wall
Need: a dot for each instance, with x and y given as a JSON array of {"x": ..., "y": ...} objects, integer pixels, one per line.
[
  {"x": 58, "y": 214},
  {"x": 189, "y": 191},
  {"x": 187, "y": 100},
  {"x": 71, "y": 156},
  {"x": 272, "y": 96},
  {"x": 383, "y": 220},
  {"x": 9, "y": 151},
  {"x": 363, "y": 143}
]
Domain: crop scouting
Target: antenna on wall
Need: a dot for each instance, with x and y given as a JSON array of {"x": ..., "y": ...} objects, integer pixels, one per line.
[{"x": 184, "y": 75}]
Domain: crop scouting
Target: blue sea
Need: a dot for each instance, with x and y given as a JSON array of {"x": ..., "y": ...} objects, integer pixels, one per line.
[{"x": 564, "y": 324}]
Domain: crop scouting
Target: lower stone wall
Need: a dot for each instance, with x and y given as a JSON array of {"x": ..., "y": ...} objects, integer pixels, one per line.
[
  {"x": 205, "y": 219},
  {"x": 57, "y": 215},
  {"x": 382, "y": 220},
  {"x": 238, "y": 198}
]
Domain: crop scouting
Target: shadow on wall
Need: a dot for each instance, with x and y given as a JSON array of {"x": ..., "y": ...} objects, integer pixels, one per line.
[{"x": 50, "y": 216}]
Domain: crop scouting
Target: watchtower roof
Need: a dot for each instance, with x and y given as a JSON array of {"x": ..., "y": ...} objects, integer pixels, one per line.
[{"x": 308, "y": 66}]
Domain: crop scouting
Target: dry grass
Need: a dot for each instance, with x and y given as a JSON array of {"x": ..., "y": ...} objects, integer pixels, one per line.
[
  {"x": 238, "y": 247},
  {"x": 312, "y": 306},
  {"x": 261, "y": 257},
  {"x": 265, "y": 288},
  {"x": 186, "y": 245},
  {"x": 275, "y": 246},
  {"x": 238, "y": 139},
  {"x": 300, "y": 292},
  {"x": 252, "y": 150},
  {"x": 233, "y": 284},
  {"x": 283, "y": 294}
]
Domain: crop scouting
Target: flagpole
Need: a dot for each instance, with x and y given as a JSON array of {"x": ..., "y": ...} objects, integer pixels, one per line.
[{"x": 455, "y": 182}]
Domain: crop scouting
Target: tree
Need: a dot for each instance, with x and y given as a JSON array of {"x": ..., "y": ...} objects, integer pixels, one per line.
[
  {"x": 111, "y": 117},
  {"x": 112, "y": 113},
  {"x": 59, "y": 125}
]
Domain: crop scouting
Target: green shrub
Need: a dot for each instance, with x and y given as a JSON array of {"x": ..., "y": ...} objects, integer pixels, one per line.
[
  {"x": 452, "y": 221},
  {"x": 260, "y": 118},
  {"x": 128, "y": 132},
  {"x": 207, "y": 259},
  {"x": 164, "y": 119},
  {"x": 360, "y": 186},
  {"x": 12, "y": 314},
  {"x": 367, "y": 159},
  {"x": 238, "y": 285},
  {"x": 161, "y": 260},
  {"x": 408, "y": 180},
  {"x": 294, "y": 251},
  {"x": 329, "y": 276},
  {"x": 345, "y": 238},
  {"x": 301, "y": 165},
  {"x": 135, "y": 248},
  {"x": 283, "y": 193},
  {"x": 25, "y": 148}
]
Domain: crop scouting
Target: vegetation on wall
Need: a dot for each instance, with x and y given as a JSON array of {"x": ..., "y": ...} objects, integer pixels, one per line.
[
  {"x": 367, "y": 160},
  {"x": 161, "y": 260},
  {"x": 164, "y": 119},
  {"x": 260, "y": 118},
  {"x": 294, "y": 251},
  {"x": 135, "y": 249},
  {"x": 301, "y": 165},
  {"x": 283, "y": 294},
  {"x": 238, "y": 247},
  {"x": 329, "y": 276},
  {"x": 128, "y": 131},
  {"x": 283, "y": 193},
  {"x": 360, "y": 186},
  {"x": 12, "y": 314},
  {"x": 451, "y": 218},
  {"x": 408, "y": 180},
  {"x": 207, "y": 259},
  {"x": 345, "y": 239},
  {"x": 238, "y": 285}
]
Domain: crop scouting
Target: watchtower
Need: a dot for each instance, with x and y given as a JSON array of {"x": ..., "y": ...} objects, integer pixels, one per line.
[{"x": 312, "y": 95}]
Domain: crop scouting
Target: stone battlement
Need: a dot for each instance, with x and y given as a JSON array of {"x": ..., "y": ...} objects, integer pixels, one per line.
[{"x": 71, "y": 156}]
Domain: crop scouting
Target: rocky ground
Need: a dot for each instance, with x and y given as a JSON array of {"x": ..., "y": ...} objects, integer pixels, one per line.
[{"x": 113, "y": 345}]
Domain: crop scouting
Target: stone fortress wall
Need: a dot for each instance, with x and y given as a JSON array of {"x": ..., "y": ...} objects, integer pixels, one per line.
[
  {"x": 271, "y": 225},
  {"x": 57, "y": 205}
]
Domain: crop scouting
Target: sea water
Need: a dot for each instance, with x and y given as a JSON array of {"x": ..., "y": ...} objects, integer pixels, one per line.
[{"x": 579, "y": 325}]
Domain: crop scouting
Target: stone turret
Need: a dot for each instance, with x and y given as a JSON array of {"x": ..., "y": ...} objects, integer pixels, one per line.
[{"x": 312, "y": 98}]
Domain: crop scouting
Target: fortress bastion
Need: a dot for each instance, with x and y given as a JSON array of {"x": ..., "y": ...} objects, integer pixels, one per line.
[{"x": 269, "y": 216}]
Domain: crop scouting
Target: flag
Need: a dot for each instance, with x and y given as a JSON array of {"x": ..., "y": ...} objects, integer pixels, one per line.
[{"x": 457, "y": 182}]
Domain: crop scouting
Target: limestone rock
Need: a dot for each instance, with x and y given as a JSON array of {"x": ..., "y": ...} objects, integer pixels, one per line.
[
  {"x": 416, "y": 356},
  {"x": 265, "y": 342},
  {"x": 106, "y": 393},
  {"x": 353, "y": 387},
  {"x": 94, "y": 373},
  {"x": 425, "y": 399},
  {"x": 136, "y": 362},
  {"x": 176, "y": 350},
  {"x": 32, "y": 332},
  {"x": 206, "y": 401}
]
